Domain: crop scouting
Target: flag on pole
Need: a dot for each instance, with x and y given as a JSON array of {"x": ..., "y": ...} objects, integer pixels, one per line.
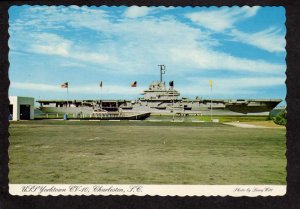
[
  {"x": 171, "y": 83},
  {"x": 65, "y": 85},
  {"x": 101, "y": 84},
  {"x": 210, "y": 84},
  {"x": 134, "y": 84}
]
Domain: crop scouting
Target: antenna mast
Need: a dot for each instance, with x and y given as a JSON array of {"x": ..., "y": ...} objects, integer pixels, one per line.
[{"x": 162, "y": 71}]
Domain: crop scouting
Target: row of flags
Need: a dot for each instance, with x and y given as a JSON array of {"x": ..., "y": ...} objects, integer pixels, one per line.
[
  {"x": 66, "y": 84},
  {"x": 134, "y": 84}
]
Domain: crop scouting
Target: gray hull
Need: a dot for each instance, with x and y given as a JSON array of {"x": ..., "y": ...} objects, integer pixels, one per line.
[{"x": 141, "y": 109}]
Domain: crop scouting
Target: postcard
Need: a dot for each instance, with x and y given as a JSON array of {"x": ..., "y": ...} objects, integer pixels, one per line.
[{"x": 129, "y": 100}]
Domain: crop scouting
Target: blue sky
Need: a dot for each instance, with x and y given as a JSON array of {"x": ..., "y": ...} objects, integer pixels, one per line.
[{"x": 242, "y": 49}]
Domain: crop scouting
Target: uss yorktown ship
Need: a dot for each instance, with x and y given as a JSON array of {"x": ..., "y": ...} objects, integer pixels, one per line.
[{"x": 160, "y": 99}]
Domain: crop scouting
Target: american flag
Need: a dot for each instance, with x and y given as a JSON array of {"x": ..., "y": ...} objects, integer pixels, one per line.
[
  {"x": 64, "y": 85},
  {"x": 134, "y": 84}
]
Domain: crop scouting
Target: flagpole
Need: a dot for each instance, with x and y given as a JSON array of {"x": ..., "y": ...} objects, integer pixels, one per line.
[
  {"x": 100, "y": 91},
  {"x": 211, "y": 101},
  {"x": 68, "y": 95},
  {"x": 171, "y": 84},
  {"x": 173, "y": 103}
]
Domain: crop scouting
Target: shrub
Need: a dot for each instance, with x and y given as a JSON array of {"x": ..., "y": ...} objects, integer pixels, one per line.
[{"x": 280, "y": 118}]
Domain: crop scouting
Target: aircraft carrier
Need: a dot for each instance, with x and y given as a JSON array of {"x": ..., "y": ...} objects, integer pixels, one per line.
[{"x": 163, "y": 100}]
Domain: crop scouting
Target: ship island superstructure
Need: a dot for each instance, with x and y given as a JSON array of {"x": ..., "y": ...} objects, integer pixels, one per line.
[{"x": 162, "y": 99}]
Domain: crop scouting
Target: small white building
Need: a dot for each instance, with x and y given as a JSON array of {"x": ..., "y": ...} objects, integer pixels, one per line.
[{"x": 21, "y": 108}]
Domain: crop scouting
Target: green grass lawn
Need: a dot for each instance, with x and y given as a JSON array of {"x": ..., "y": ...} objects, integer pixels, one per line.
[{"x": 145, "y": 153}]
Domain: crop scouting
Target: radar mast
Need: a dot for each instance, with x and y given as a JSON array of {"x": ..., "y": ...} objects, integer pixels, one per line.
[{"x": 162, "y": 71}]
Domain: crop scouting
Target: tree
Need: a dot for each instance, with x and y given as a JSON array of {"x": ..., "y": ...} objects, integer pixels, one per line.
[{"x": 280, "y": 118}]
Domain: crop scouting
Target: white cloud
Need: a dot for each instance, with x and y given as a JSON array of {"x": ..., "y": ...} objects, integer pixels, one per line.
[
  {"x": 52, "y": 44},
  {"x": 268, "y": 39},
  {"x": 135, "y": 11},
  {"x": 48, "y": 43},
  {"x": 42, "y": 18},
  {"x": 91, "y": 57},
  {"x": 34, "y": 86},
  {"x": 60, "y": 49},
  {"x": 138, "y": 45},
  {"x": 204, "y": 59},
  {"x": 231, "y": 86},
  {"x": 225, "y": 18},
  {"x": 71, "y": 64},
  {"x": 221, "y": 19}
]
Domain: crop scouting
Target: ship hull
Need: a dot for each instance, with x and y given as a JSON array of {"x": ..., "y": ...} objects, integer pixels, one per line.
[
  {"x": 252, "y": 107},
  {"x": 220, "y": 107},
  {"x": 217, "y": 107}
]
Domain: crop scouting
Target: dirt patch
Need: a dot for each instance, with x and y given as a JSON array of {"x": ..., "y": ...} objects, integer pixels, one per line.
[{"x": 255, "y": 124}]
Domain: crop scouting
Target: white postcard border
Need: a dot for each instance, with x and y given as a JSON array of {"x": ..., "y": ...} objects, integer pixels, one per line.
[{"x": 143, "y": 190}]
